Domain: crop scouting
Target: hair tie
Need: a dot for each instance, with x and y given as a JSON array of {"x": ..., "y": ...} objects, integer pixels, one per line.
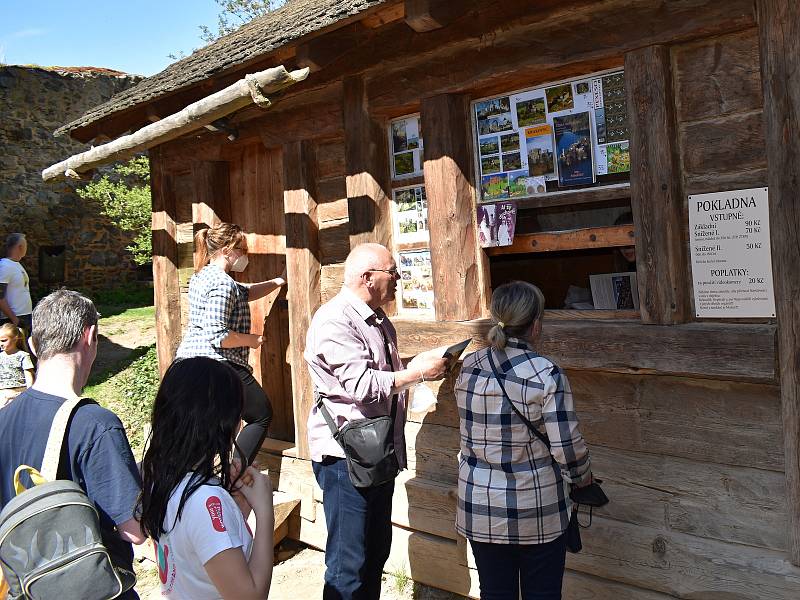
[{"x": 500, "y": 324}]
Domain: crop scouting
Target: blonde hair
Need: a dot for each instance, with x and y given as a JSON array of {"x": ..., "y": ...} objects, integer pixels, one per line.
[
  {"x": 514, "y": 308},
  {"x": 12, "y": 331},
  {"x": 211, "y": 240}
]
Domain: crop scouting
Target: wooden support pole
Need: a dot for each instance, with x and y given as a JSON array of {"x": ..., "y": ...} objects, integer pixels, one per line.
[
  {"x": 165, "y": 263},
  {"x": 779, "y": 36},
  {"x": 212, "y": 195},
  {"x": 656, "y": 199},
  {"x": 460, "y": 268},
  {"x": 303, "y": 273}
]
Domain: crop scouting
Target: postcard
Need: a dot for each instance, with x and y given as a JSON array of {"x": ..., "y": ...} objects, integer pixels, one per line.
[
  {"x": 399, "y": 136},
  {"x": 405, "y": 200},
  {"x": 496, "y": 224},
  {"x": 535, "y": 186},
  {"x": 404, "y": 163},
  {"x": 416, "y": 281},
  {"x": 539, "y": 147},
  {"x": 559, "y": 98},
  {"x": 411, "y": 214},
  {"x": 530, "y": 112},
  {"x": 495, "y": 124},
  {"x": 618, "y": 158},
  {"x": 490, "y": 164},
  {"x": 509, "y": 142},
  {"x": 490, "y": 108},
  {"x": 512, "y": 161},
  {"x": 582, "y": 87},
  {"x": 489, "y": 145},
  {"x": 494, "y": 187},
  {"x": 600, "y": 125},
  {"x": 413, "y": 137},
  {"x": 573, "y": 141},
  {"x": 517, "y": 184}
]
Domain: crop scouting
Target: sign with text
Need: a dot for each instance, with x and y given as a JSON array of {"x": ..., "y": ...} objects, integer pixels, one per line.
[{"x": 730, "y": 249}]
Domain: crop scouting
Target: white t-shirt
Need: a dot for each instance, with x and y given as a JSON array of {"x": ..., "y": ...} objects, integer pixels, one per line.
[
  {"x": 15, "y": 277},
  {"x": 210, "y": 523}
]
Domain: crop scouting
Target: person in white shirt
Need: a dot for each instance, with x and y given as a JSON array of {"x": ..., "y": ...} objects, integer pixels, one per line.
[
  {"x": 15, "y": 295},
  {"x": 195, "y": 498}
]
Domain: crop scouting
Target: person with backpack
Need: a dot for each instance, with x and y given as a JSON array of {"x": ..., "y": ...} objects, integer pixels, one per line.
[
  {"x": 195, "y": 498},
  {"x": 96, "y": 454}
]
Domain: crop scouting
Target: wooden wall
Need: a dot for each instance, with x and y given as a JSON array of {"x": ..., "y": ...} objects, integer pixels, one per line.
[{"x": 683, "y": 421}]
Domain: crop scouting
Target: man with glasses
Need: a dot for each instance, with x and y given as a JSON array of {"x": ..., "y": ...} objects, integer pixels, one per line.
[{"x": 351, "y": 351}]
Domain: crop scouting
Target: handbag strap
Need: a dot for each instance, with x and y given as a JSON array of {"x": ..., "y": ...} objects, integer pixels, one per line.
[
  {"x": 327, "y": 415},
  {"x": 525, "y": 419},
  {"x": 55, "y": 440}
]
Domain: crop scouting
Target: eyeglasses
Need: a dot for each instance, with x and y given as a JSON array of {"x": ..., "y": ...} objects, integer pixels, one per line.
[{"x": 393, "y": 271}]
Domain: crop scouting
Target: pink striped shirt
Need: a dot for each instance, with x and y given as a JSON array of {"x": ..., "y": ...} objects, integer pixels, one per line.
[{"x": 347, "y": 361}]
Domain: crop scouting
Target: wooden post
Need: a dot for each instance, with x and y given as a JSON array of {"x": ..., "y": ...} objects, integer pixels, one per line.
[
  {"x": 460, "y": 268},
  {"x": 779, "y": 36},
  {"x": 303, "y": 273},
  {"x": 656, "y": 199},
  {"x": 165, "y": 263},
  {"x": 367, "y": 164},
  {"x": 212, "y": 194}
]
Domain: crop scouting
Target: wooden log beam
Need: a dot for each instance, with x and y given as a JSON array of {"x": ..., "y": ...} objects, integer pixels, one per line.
[
  {"x": 250, "y": 89},
  {"x": 460, "y": 269},
  {"x": 165, "y": 263},
  {"x": 428, "y": 15},
  {"x": 577, "y": 239},
  {"x": 303, "y": 273},
  {"x": 656, "y": 199},
  {"x": 779, "y": 35},
  {"x": 320, "y": 51}
]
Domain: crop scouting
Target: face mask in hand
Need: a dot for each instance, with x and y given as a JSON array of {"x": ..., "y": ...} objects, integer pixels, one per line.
[
  {"x": 423, "y": 399},
  {"x": 240, "y": 264}
]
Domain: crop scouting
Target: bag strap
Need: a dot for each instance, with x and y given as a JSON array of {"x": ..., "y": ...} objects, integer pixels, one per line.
[
  {"x": 55, "y": 441},
  {"x": 525, "y": 419}
]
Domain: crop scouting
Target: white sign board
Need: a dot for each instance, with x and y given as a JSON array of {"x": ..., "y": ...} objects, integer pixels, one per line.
[{"x": 730, "y": 247}]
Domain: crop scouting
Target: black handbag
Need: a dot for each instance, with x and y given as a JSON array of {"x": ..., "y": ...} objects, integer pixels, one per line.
[
  {"x": 368, "y": 444},
  {"x": 573, "y": 531}
]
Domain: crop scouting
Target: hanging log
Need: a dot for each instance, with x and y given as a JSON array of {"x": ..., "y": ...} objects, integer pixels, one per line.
[{"x": 251, "y": 88}]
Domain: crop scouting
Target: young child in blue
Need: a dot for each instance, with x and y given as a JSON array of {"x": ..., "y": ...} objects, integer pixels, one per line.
[{"x": 16, "y": 366}]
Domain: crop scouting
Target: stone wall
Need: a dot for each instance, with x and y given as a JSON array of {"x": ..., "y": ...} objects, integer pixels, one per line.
[{"x": 33, "y": 103}]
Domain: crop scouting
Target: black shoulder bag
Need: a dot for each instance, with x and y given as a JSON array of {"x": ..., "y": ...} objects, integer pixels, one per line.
[
  {"x": 368, "y": 444},
  {"x": 573, "y": 532}
]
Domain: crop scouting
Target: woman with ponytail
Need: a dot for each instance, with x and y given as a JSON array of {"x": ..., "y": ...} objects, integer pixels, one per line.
[
  {"x": 219, "y": 321},
  {"x": 513, "y": 496}
]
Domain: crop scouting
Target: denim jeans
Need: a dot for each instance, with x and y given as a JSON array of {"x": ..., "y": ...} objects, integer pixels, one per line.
[
  {"x": 359, "y": 533},
  {"x": 539, "y": 568}
]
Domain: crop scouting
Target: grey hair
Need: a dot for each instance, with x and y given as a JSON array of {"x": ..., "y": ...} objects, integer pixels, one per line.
[
  {"x": 13, "y": 240},
  {"x": 514, "y": 308},
  {"x": 59, "y": 321}
]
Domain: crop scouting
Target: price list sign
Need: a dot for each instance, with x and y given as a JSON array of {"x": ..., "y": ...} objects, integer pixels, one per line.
[{"x": 730, "y": 248}]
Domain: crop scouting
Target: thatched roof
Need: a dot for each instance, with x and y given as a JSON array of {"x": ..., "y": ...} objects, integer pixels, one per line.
[{"x": 294, "y": 20}]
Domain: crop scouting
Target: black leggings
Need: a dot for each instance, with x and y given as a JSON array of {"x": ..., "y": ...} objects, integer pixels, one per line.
[{"x": 257, "y": 413}]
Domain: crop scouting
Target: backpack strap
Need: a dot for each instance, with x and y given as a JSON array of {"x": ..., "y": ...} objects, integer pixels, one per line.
[{"x": 55, "y": 441}]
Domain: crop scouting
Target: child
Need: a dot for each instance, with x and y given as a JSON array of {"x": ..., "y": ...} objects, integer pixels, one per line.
[
  {"x": 194, "y": 500},
  {"x": 16, "y": 367}
]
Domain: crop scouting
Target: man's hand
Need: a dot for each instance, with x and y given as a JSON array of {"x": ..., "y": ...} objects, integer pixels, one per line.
[{"x": 431, "y": 365}]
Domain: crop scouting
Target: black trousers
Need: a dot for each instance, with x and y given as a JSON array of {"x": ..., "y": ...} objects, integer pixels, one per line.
[{"x": 257, "y": 413}]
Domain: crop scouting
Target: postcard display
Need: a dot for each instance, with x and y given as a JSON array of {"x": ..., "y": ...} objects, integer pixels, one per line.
[
  {"x": 568, "y": 133},
  {"x": 410, "y": 214},
  {"x": 731, "y": 259}
]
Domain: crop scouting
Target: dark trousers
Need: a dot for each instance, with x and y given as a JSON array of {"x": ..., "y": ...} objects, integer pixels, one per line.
[
  {"x": 539, "y": 568},
  {"x": 257, "y": 413},
  {"x": 359, "y": 522}
]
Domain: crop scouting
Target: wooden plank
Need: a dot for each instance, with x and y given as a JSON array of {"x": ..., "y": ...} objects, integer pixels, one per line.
[
  {"x": 392, "y": 12},
  {"x": 331, "y": 281},
  {"x": 330, "y": 158},
  {"x": 408, "y": 181},
  {"x": 367, "y": 169},
  {"x": 303, "y": 265},
  {"x": 779, "y": 33},
  {"x": 165, "y": 263},
  {"x": 718, "y": 76},
  {"x": 656, "y": 199},
  {"x": 577, "y": 239},
  {"x": 333, "y": 211},
  {"x": 724, "y": 144},
  {"x": 605, "y": 193},
  {"x": 320, "y": 51},
  {"x": 280, "y": 127},
  {"x": 334, "y": 241},
  {"x": 212, "y": 198},
  {"x": 461, "y": 277},
  {"x": 332, "y": 190},
  {"x": 741, "y": 352},
  {"x": 714, "y": 182}
]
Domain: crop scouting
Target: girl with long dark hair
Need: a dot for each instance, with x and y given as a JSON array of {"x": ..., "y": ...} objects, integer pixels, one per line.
[
  {"x": 219, "y": 321},
  {"x": 195, "y": 498}
]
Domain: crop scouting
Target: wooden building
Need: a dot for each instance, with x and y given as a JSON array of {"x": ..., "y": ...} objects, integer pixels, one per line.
[{"x": 693, "y": 423}]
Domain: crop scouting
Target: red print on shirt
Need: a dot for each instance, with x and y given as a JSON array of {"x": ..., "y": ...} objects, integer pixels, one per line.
[{"x": 214, "y": 506}]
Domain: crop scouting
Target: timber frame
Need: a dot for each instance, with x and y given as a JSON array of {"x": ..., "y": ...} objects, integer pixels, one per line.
[{"x": 694, "y": 424}]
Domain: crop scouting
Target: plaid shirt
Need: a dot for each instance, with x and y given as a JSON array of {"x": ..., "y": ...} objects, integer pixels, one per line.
[
  {"x": 217, "y": 306},
  {"x": 509, "y": 489}
]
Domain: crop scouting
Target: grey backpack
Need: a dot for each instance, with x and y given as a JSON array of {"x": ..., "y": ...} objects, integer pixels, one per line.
[{"x": 50, "y": 544}]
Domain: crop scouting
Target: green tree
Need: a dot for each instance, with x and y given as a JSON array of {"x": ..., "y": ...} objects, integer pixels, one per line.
[
  {"x": 124, "y": 195},
  {"x": 236, "y": 13}
]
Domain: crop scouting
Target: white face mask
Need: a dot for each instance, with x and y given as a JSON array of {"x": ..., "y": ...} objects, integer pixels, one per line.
[{"x": 240, "y": 264}]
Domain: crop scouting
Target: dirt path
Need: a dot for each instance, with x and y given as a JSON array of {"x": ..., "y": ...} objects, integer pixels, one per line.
[{"x": 121, "y": 334}]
